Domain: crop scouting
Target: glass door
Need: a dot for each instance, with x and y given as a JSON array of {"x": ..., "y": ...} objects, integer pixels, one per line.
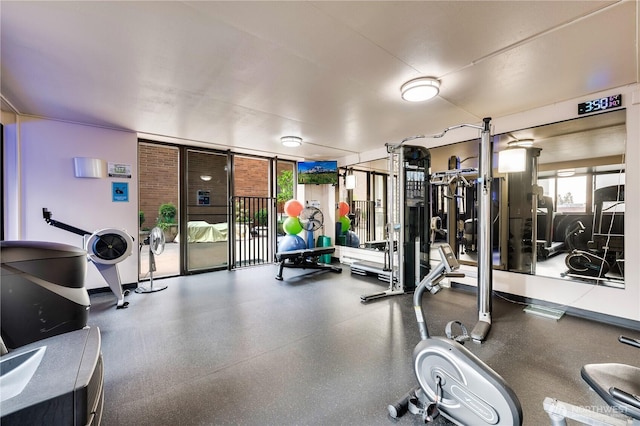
[
  {"x": 252, "y": 210},
  {"x": 207, "y": 233},
  {"x": 159, "y": 202}
]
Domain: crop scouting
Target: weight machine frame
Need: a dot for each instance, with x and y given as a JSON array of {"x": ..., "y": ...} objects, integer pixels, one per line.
[{"x": 485, "y": 224}]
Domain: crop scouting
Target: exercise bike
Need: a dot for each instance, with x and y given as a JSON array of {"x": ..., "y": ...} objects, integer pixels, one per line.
[
  {"x": 453, "y": 381},
  {"x": 617, "y": 384}
]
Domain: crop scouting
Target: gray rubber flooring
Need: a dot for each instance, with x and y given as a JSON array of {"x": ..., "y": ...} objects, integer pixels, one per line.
[{"x": 241, "y": 348}]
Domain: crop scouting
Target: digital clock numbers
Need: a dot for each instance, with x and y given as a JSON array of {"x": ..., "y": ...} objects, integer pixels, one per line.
[{"x": 601, "y": 104}]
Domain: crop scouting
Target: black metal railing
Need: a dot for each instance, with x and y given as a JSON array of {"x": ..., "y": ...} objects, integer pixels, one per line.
[
  {"x": 252, "y": 234},
  {"x": 362, "y": 220}
]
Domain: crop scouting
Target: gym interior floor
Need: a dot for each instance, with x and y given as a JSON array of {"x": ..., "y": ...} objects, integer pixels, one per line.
[{"x": 241, "y": 348}]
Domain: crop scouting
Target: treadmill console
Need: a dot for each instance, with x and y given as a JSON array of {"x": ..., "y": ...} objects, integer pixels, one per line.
[{"x": 448, "y": 258}]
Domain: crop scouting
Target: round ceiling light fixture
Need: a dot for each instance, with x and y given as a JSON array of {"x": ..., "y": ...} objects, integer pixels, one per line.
[
  {"x": 566, "y": 172},
  {"x": 524, "y": 143},
  {"x": 291, "y": 141},
  {"x": 420, "y": 89}
]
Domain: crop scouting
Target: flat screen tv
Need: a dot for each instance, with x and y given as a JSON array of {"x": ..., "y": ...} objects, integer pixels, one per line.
[{"x": 317, "y": 172}]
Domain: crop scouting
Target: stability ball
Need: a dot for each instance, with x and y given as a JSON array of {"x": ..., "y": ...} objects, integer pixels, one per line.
[
  {"x": 292, "y": 208},
  {"x": 292, "y": 226},
  {"x": 346, "y": 223},
  {"x": 343, "y": 208},
  {"x": 291, "y": 242},
  {"x": 352, "y": 239}
]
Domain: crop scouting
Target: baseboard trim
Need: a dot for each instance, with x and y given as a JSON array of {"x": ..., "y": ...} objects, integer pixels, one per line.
[{"x": 575, "y": 312}]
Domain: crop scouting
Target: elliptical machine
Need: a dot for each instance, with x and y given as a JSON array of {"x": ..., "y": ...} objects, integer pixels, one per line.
[{"x": 453, "y": 381}]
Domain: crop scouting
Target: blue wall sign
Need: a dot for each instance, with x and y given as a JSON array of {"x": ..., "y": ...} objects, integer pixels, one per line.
[{"x": 119, "y": 191}]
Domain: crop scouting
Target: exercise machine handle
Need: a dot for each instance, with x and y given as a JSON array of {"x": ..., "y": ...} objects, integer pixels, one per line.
[
  {"x": 625, "y": 397},
  {"x": 454, "y": 275},
  {"x": 629, "y": 341},
  {"x": 46, "y": 215}
]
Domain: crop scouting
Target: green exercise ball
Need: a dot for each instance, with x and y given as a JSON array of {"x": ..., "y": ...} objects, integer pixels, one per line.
[
  {"x": 292, "y": 226},
  {"x": 346, "y": 224}
]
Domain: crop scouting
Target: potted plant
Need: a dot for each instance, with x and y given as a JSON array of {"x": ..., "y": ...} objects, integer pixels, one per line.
[
  {"x": 260, "y": 221},
  {"x": 167, "y": 221},
  {"x": 243, "y": 219},
  {"x": 261, "y": 217}
]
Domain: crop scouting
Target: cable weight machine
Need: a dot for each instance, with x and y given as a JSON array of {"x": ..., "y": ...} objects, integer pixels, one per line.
[
  {"x": 397, "y": 227},
  {"x": 407, "y": 226}
]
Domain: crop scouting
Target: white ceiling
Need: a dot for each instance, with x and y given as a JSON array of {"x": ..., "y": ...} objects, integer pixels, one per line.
[{"x": 242, "y": 74}]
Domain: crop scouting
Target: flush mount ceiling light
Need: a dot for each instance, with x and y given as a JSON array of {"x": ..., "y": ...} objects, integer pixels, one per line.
[
  {"x": 291, "y": 141},
  {"x": 512, "y": 160},
  {"x": 420, "y": 89},
  {"x": 524, "y": 143},
  {"x": 205, "y": 178},
  {"x": 566, "y": 172}
]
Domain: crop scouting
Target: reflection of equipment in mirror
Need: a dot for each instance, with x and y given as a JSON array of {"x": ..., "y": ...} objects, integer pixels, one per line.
[
  {"x": 603, "y": 261},
  {"x": 419, "y": 239},
  {"x": 311, "y": 219},
  {"x": 156, "y": 243},
  {"x": 522, "y": 225},
  {"x": 436, "y": 229},
  {"x": 594, "y": 163},
  {"x": 545, "y": 245},
  {"x": 105, "y": 248},
  {"x": 451, "y": 190}
]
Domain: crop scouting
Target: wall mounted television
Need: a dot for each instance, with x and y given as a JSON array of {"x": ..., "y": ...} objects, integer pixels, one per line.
[{"x": 318, "y": 173}]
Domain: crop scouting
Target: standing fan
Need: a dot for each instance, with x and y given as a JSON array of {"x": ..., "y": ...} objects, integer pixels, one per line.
[
  {"x": 156, "y": 247},
  {"x": 311, "y": 219}
]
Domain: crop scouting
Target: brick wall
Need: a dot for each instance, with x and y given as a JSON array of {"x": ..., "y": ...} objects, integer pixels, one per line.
[
  {"x": 158, "y": 179},
  {"x": 251, "y": 178},
  {"x": 159, "y": 168}
]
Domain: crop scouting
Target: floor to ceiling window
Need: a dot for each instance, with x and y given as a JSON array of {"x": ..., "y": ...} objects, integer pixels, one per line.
[
  {"x": 252, "y": 206},
  {"x": 159, "y": 184},
  {"x": 216, "y": 209},
  {"x": 207, "y": 203}
]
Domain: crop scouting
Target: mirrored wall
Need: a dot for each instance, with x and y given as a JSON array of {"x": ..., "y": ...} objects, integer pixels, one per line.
[{"x": 561, "y": 216}]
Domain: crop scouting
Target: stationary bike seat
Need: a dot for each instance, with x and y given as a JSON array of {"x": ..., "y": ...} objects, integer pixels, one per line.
[{"x": 626, "y": 378}]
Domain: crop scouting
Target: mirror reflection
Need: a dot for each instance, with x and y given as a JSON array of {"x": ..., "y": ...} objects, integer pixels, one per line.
[{"x": 560, "y": 214}]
